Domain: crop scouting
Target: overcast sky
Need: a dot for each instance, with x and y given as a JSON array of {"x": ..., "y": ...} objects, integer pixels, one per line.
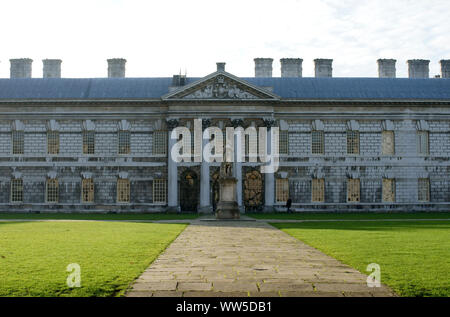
[{"x": 158, "y": 38}]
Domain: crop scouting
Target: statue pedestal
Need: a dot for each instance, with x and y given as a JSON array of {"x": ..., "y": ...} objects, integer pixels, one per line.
[{"x": 227, "y": 208}]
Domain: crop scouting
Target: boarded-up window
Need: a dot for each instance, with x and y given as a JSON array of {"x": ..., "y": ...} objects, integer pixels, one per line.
[
  {"x": 16, "y": 190},
  {"x": 124, "y": 142},
  {"x": 159, "y": 142},
  {"x": 52, "y": 142},
  {"x": 284, "y": 142},
  {"x": 388, "y": 190},
  {"x": 159, "y": 191},
  {"x": 52, "y": 190},
  {"x": 352, "y": 142},
  {"x": 88, "y": 142},
  {"x": 282, "y": 190},
  {"x": 87, "y": 190},
  {"x": 388, "y": 143},
  {"x": 353, "y": 190},
  {"x": 422, "y": 142},
  {"x": 123, "y": 191},
  {"x": 424, "y": 189},
  {"x": 317, "y": 142},
  {"x": 318, "y": 190},
  {"x": 17, "y": 142}
]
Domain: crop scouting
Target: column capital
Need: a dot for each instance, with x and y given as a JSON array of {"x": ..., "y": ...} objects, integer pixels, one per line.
[
  {"x": 206, "y": 123},
  {"x": 269, "y": 122},
  {"x": 172, "y": 123},
  {"x": 237, "y": 122}
]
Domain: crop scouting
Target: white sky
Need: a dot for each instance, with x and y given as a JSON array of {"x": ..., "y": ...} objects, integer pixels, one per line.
[{"x": 158, "y": 38}]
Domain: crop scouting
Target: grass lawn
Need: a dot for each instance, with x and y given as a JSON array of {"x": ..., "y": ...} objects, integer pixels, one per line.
[
  {"x": 349, "y": 216},
  {"x": 414, "y": 256},
  {"x": 80, "y": 216},
  {"x": 34, "y": 255}
]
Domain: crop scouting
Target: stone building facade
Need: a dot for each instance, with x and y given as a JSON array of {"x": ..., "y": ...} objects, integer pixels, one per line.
[{"x": 346, "y": 144}]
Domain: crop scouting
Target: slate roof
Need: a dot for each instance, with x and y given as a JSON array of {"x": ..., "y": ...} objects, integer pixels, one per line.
[{"x": 286, "y": 88}]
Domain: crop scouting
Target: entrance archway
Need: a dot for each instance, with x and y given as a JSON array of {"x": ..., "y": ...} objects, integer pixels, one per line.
[{"x": 189, "y": 191}]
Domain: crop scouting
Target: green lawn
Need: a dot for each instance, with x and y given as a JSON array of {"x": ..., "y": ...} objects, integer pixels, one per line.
[
  {"x": 98, "y": 216},
  {"x": 414, "y": 256},
  {"x": 34, "y": 255},
  {"x": 349, "y": 216}
]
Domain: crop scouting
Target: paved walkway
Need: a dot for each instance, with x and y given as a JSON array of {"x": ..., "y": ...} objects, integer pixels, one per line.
[{"x": 247, "y": 258}]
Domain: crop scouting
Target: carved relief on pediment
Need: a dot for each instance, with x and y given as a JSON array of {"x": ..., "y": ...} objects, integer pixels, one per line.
[{"x": 220, "y": 88}]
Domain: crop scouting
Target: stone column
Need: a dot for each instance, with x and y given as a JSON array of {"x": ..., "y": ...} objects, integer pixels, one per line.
[
  {"x": 269, "y": 178},
  {"x": 205, "y": 194},
  {"x": 172, "y": 182},
  {"x": 238, "y": 166}
]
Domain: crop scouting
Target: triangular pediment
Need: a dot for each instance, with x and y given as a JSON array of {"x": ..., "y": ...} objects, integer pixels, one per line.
[{"x": 220, "y": 86}]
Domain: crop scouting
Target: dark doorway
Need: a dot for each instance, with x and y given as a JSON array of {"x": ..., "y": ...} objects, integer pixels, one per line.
[{"x": 189, "y": 191}]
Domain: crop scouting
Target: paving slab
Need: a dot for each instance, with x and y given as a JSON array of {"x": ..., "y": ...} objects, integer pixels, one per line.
[{"x": 247, "y": 258}]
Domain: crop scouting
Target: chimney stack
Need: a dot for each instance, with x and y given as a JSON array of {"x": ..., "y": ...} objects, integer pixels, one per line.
[
  {"x": 291, "y": 67},
  {"x": 116, "y": 67},
  {"x": 419, "y": 68},
  {"x": 20, "y": 68},
  {"x": 52, "y": 68},
  {"x": 263, "y": 67},
  {"x": 220, "y": 67},
  {"x": 323, "y": 67},
  {"x": 445, "y": 68},
  {"x": 386, "y": 68}
]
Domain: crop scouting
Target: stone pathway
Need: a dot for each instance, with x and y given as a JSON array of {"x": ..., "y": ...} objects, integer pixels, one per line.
[{"x": 247, "y": 258}]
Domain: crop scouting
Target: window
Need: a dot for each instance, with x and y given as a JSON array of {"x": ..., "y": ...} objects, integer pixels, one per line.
[
  {"x": 318, "y": 190},
  {"x": 87, "y": 189},
  {"x": 422, "y": 142},
  {"x": 317, "y": 142},
  {"x": 388, "y": 143},
  {"x": 16, "y": 190},
  {"x": 388, "y": 190},
  {"x": 52, "y": 191},
  {"x": 353, "y": 190},
  {"x": 424, "y": 190},
  {"x": 124, "y": 142},
  {"x": 17, "y": 142},
  {"x": 123, "y": 191},
  {"x": 88, "y": 142},
  {"x": 284, "y": 142},
  {"x": 282, "y": 190},
  {"x": 160, "y": 142},
  {"x": 352, "y": 142},
  {"x": 52, "y": 142},
  {"x": 159, "y": 191}
]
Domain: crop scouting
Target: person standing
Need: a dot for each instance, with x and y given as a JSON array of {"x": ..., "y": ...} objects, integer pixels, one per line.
[{"x": 288, "y": 205}]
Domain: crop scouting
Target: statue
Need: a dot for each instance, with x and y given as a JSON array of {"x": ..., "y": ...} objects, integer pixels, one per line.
[{"x": 227, "y": 208}]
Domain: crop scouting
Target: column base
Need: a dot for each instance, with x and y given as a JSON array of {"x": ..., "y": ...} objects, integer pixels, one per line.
[
  {"x": 173, "y": 209},
  {"x": 268, "y": 209},
  {"x": 206, "y": 210}
]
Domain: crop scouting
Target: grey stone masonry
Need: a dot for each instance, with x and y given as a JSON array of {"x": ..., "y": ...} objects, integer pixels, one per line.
[
  {"x": 323, "y": 67},
  {"x": 386, "y": 68},
  {"x": 445, "y": 68},
  {"x": 291, "y": 67},
  {"x": 21, "y": 67},
  {"x": 116, "y": 67},
  {"x": 51, "y": 68},
  {"x": 263, "y": 67},
  {"x": 418, "y": 68}
]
